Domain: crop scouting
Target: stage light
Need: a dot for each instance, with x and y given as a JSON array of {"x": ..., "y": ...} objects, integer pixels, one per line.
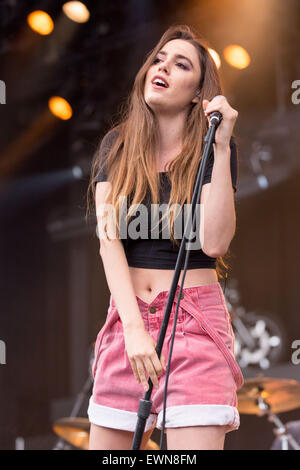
[
  {"x": 77, "y": 172},
  {"x": 40, "y": 22},
  {"x": 262, "y": 181},
  {"x": 76, "y": 11},
  {"x": 60, "y": 107},
  {"x": 236, "y": 56},
  {"x": 215, "y": 57}
]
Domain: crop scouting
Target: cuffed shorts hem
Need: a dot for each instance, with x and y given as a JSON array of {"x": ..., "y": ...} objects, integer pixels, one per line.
[
  {"x": 176, "y": 417},
  {"x": 200, "y": 415},
  {"x": 115, "y": 418}
]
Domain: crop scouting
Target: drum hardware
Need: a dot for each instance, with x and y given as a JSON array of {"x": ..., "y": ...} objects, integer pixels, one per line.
[
  {"x": 293, "y": 428},
  {"x": 266, "y": 396},
  {"x": 260, "y": 338}
]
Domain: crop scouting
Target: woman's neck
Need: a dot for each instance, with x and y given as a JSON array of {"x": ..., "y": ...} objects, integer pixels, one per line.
[
  {"x": 169, "y": 140},
  {"x": 170, "y": 132}
]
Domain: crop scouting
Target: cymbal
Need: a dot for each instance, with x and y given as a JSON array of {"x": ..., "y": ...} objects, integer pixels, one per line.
[
  {"x": 76, "y": 431},
  {"x": 151, "y": 445},
  {"x": 280, "y": 394}
]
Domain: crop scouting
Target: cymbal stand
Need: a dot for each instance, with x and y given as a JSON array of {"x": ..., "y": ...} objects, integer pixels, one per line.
[{"x": 281, "y": 430}]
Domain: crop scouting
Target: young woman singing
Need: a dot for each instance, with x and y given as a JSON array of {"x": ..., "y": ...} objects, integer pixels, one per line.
[{"x": 152, "y": 156}]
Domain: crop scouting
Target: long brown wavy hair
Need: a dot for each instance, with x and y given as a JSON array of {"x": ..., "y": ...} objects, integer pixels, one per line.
[{"x": 130, "y": 162}]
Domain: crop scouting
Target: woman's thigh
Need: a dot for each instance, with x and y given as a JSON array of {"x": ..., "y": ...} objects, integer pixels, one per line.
[
  {"x": 102, "y": 438},
  {"x": 196, "y": 438}
]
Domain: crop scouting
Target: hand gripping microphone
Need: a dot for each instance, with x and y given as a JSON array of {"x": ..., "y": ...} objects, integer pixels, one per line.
[{"x": 215, "y": 118}]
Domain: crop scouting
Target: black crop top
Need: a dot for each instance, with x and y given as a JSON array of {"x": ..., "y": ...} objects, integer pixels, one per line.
[{"x": 162, "y": 252}]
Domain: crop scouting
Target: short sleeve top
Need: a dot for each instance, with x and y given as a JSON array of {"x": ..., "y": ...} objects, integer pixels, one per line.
[
  {"x": 161, "y": 253},
  {"x": 108, "y": 140}
]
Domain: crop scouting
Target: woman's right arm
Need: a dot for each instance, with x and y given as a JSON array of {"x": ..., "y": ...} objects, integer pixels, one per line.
[{"x": 140, "y": 345}]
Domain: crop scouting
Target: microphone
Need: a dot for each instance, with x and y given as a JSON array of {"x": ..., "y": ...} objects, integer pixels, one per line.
[{"x": 215, "y": 118}]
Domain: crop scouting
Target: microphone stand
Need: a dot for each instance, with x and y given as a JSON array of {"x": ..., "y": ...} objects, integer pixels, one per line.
[{"x": 145, "y": 404}]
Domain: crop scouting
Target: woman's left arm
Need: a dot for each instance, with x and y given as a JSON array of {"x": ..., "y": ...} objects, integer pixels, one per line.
[{"x": 217, "y": 197}]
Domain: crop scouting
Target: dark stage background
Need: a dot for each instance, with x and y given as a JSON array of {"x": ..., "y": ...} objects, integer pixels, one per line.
[{"x": 54, "y": 295}]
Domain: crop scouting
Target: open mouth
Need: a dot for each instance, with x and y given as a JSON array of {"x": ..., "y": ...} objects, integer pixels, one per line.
[
  {"x": 156, "y": 85},
  {"x": 158, "y": 82},
  {"x": 161, "y": 87}
]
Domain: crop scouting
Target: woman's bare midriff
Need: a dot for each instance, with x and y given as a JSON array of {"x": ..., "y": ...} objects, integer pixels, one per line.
[{"x": 147, "y": 283}]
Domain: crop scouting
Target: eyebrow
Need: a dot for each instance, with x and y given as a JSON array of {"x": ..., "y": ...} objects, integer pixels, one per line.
[{"x": 178, "y": 56}]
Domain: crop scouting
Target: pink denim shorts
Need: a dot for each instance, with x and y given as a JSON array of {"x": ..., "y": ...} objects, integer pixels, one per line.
[{"x": 204, "y": 375}]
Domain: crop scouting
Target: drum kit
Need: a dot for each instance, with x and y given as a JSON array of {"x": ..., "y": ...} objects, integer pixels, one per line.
[
  {"x": 76, "y": 431},
  {"x": 261, "y": 396}
]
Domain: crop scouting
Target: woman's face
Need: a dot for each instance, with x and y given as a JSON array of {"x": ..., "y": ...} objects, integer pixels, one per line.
[{"x": 181, "y": 74}]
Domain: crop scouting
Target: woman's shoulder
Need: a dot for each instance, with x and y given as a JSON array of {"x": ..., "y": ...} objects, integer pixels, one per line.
[{"x": 109, "y": 137}]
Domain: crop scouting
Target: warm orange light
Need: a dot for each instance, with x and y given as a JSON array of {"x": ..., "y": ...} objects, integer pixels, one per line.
[
  {"x": 215, "y": 57},
  {"x": 40, "y": 22},
  {"x": 76, "y": 11},
  {"x": 236, "y": 56},
  {"x": 60, "y": 107},
  {"x": 264, "y": 394}
]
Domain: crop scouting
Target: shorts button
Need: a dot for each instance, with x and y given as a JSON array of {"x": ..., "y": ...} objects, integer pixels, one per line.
[{"x": 152, "y": 309}]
